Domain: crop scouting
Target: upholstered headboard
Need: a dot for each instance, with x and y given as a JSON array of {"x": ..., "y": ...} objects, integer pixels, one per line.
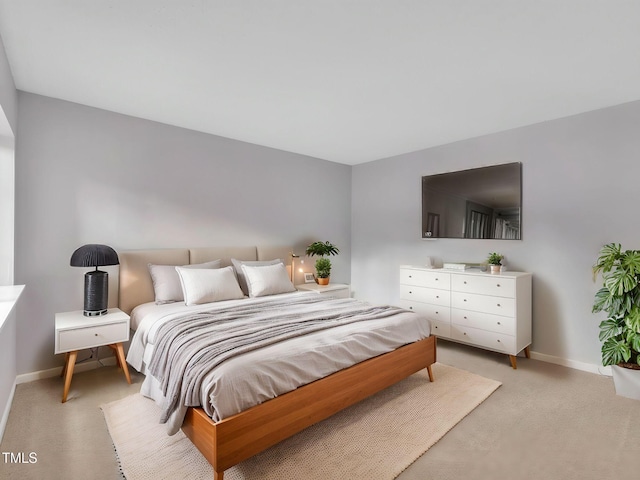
[{"x": 135, "y": 286}]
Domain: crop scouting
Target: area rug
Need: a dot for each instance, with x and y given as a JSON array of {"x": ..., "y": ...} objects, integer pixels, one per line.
[{"x": 376, "y": 438}]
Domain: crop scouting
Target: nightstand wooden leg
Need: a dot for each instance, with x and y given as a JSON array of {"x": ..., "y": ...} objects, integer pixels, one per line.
[
  {"x": 514, "y": 362},
  {"x": 66, "y": 361},
  {"x": 115, "y": 353},
  {"x": 527, "y": 352},
  {"x": 122, "y": 361},
  {"x": 430, "y": 373},
  {"x": 68, "y": 369}
]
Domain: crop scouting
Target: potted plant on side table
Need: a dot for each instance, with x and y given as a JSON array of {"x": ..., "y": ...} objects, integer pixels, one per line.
[
  {"x": 495, "y": 262},
  {"x": 323, "y": 265},
  {"x": 620, "y": 299}
]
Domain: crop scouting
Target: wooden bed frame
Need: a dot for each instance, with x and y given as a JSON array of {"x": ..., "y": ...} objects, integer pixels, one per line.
[{"x": 230, "y": 441}]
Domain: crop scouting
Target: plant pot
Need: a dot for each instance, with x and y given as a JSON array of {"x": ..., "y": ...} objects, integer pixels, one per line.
[
  {"x": 495, "y": 268},
  {"x": 323, "y": 281},
  {"x": 626, "y": 381}
]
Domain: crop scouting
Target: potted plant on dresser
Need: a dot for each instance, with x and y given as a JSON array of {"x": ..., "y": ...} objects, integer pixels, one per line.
[
  {"x": 323, "y": 265},
  {"x": 495, "y": 262},
  {"x": 620, "y": 299}
]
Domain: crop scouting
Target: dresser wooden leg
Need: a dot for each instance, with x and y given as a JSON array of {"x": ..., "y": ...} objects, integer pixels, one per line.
[
  {"x": 71, "y": 362},
  {"x": 430, "y": 373},
  {"x": 514, "y": 362},
  {"x": 527, "y": 351}
]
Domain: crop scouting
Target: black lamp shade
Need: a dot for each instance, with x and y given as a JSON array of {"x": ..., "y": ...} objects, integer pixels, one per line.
[
  {"x": 94, "y": 255},
  {"x": 96, "y": 282}
]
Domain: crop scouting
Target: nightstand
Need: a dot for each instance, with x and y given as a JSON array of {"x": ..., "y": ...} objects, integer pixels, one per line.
[
  {"x": 76, "y": 332},
  {"x": 335, "y": 290}
]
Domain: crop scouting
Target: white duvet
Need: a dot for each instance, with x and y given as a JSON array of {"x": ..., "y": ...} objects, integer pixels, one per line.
[{"x": 252, "y": 378}]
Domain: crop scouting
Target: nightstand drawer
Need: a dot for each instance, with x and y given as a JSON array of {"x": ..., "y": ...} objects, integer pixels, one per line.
[
  {"x": 338, "y": 293},
  {"x": 88, "y": 337}
]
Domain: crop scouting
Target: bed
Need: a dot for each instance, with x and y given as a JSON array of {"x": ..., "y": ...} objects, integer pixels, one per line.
[{"x": 228, "y": 431}]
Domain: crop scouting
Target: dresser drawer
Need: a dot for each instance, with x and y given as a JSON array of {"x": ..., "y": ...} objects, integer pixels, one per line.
[
  {"x": 425, "y": 278},
  {"x": 484, "y": 303},
  {"x": 484, "y": 321},
  {"x": 495, "y": 286},
  {"x": 482, "y": 338},
  {"x": 425, "y": 295},
  {"x": 88, "y": 337},
  {"x": 440, "y": 329},
  {"x": 433, "y": 312}
]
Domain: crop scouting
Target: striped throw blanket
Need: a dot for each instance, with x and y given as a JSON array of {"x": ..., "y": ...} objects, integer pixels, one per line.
[{"x": 189, "y": 347}]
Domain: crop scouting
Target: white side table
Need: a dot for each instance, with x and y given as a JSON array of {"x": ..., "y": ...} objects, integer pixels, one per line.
[
  {"x": 335, "y": 290},
  {"x": 76, "y": 332}
]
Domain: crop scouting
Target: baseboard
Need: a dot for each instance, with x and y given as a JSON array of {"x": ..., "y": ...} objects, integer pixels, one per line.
[
  {"x": 565, "y": 362},
  {"x": 7, "y": 409},
  {"x": 83, "y": 367},
  {"x": 54, "y": 372}
]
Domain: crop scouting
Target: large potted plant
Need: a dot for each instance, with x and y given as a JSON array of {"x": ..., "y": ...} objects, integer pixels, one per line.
[
  {"x": 620, "y": 299},
  {"x": 323, "y": 265}
]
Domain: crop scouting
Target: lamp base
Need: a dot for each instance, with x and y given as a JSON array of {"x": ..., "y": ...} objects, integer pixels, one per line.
[{"x": 96, "y": 293}]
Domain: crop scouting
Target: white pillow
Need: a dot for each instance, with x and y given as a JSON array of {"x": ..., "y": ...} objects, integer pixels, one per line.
[
  {"x": 166, "y": 283},
  {"x": 267, "y": 280},
  {"x": 208, "y": 285},
  {"x": 237, "y": 264}
]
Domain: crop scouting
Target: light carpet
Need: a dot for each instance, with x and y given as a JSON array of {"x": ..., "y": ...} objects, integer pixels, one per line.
[{"x": 376, "y": 438}]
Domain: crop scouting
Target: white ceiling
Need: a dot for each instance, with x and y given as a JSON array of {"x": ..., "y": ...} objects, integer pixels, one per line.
[{"x": 344, "y": 80}]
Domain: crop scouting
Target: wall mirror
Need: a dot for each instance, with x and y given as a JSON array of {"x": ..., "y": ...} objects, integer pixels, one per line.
[{"x": 481, "y": 202}]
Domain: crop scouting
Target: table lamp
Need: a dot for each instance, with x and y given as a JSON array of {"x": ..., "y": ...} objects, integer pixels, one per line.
[{"x": 96, "y": 282}]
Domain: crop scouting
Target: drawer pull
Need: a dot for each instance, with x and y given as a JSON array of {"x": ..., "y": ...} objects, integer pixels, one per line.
[
  {"x": 410, "y": 308},
  {"x": 96, "y": 334},
  {"x": 464, "y": 333},
  {"x": 410, "y": 291},
  {"x": 498, "y": 340},
  {"x": 465, "y": 317},
  {"x": 498, "y": 304},
  {"x": 498, "y": 285},
  {"x": 437, "y": 313},
  {"x": 410, "y": 276},
  {"x": 437, "y": 296},
  {"x": 465, "y": 282},
  {"x": 499, "y": 323},
  {"x": 464, "y": 300}
]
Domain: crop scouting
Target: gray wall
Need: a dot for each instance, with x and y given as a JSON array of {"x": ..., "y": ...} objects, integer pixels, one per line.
[
  {"x": 580, "y": 191},
  {"x": 8, "y": 121},
  {"x": 8, "y": 93},
  {"x": 85, "y": 175}
]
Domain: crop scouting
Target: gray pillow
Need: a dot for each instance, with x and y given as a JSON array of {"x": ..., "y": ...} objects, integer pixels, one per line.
[
  {"x": 166, "y": 282},
  {"x": 237, "y": 265}
]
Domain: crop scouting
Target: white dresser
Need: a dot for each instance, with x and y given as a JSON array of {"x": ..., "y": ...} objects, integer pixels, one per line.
[{"x": 491, "y": 311}]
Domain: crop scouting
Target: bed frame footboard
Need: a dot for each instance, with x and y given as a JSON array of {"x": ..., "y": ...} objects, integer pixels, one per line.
[{"x": 234, "y": 439}]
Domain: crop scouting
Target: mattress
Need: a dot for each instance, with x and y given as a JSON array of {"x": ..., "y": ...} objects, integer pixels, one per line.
[{"x": 257, "y": 376}]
